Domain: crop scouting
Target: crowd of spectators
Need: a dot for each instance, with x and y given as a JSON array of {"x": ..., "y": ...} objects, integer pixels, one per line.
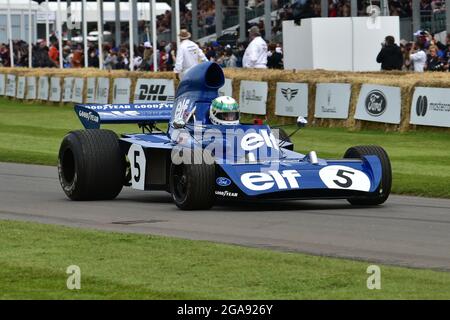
[
  {"x": 424, "y": 54},
  {"x": 288, "y": 10},
  {"x": 436, "y": 53},
  {"x": 227, "y": 54},
  {"x": 47, "y": 56}
]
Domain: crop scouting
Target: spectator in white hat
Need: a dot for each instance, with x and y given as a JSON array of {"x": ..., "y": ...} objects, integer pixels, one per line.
[
  {"x": 418, "y": 57},
  {"x": 255, "y": 56},
  {"x": 188, "y": 54},
  {"x": 147, "y": 60}
]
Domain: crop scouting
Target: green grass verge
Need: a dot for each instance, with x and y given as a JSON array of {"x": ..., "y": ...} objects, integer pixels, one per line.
[
  {"x": 31, "y": 133},
  {"x": 34, "y": 258}
]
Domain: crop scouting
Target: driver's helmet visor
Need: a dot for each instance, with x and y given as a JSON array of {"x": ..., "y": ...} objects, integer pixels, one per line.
[{"x": 228, "y": 116}]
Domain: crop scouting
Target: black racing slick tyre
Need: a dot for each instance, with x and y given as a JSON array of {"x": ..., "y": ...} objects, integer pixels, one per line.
[
  {"x": 382, "y": 193},
  {"x": 91, "y": 165},
  {"x": 192, "y": 184}
]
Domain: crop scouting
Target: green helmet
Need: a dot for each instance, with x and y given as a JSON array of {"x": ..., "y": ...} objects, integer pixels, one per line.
[{"x": 224, "y": 110}]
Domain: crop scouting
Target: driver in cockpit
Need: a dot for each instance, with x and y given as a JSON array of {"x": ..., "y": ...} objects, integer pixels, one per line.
[{"x": 224, "y": 111}]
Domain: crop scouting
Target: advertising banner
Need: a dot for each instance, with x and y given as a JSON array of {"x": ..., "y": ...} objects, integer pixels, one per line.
[
  {"x": 78, "y": 87},
  {"x": 55, "y": 89},
  {"x": 102, "y": 92},
  {"x": 253, "y": 97},
  {"x": 121, "y": 91},
  {"x": 379, "y": 103},
  {"x": 90, "y": 90},
  {"x": 227, "y": 89},
  {"x": 291, "y": 99},
  {"x": 154, "y": 90},
  {"x": 43, "y": 88},
  {"x": 10, "y": 85},
  {"x": 21, "y": 86},
  {"x": 2, "y": 84},
  {"x": 431, "y": 107},
  {"x": 31, "y": 88},
  {"x": 332, "y": 100},
  {"x": 67, "y": 89}
]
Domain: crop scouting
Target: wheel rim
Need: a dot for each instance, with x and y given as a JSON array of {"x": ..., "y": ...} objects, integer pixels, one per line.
[
  {"x": 68, "y": 166},
  {"x": 180, "y": 182}
]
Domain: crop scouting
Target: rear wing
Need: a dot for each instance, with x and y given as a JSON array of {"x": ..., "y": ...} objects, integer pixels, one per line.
[{"x": 92, "y": 115}]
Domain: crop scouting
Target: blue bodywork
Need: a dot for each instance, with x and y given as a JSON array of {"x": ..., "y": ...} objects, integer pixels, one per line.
[{"x": 251, "y": 161}]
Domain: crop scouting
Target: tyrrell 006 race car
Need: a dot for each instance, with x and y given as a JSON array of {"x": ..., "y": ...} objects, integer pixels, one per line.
[{"x": 200, "y": 161}]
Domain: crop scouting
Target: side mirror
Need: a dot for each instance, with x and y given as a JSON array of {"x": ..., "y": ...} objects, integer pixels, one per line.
[
  {"x": 301, "y": 122},
  {"x": 179, "y": 124}
]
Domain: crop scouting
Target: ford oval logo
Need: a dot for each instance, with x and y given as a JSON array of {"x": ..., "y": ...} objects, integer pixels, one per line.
[
  {"x": 376, "y": 103},
  {"x": 223, "y": 182}
]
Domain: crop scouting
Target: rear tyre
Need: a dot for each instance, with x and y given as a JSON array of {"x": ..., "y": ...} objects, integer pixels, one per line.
[
  {"x": 192, "y": 185},
  {"x": 91, "y": 165},
  {"x": 382, "y": 193}
]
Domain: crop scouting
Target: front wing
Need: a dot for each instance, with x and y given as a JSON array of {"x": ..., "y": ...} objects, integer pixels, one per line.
[{"x": 295, "y": 179}]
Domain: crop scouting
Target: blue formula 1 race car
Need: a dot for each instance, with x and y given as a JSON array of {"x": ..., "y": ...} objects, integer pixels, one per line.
[{"x": 199, "y": 160}]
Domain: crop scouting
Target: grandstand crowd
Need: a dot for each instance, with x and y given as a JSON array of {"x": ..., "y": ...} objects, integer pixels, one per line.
[
  {"x": 117, "y": 58},
  {"x": 226, "y": 52}
]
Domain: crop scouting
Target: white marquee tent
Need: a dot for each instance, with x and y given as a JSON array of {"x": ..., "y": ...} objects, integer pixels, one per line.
[
  {"x": 17, "y": 15},
  {"x": 91, "y": 10}
]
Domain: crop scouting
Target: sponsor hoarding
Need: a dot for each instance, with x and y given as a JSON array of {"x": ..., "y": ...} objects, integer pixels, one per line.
[
  {"x": 21, "y": 86},
  {"x": 55, "y": 89},
  {"x": 31, "y": 88},
  {"x": 90, "y": 90},
  {"x": 43, "y": 88},
  {"x": 121, "y": 90},
  {"x": 2, "y": 84},
  {"x": 332, "y": 100},
  {"x": 10, "y": 85},
  {"x": 431, "y": 107},
  {"x": 154, "y": 90},
  {"x": 379, "y": 104},
  {"x": 67, "y": 89},
  {"x": 253, "y": 97},
  {"x": 291, "y": 99},
  {"x": 227, "y": 89},
  {"x": 102, "y": 92},
  {"x": 77, "y": 93}
]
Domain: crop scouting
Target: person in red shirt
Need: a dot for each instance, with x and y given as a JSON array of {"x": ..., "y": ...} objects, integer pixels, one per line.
[
  {"x": 53, "y": 53},
  {"x": 78, "y": 57}
]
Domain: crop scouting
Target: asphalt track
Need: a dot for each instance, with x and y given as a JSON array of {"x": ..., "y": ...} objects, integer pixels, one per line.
[{"x": 406, "y": 231}]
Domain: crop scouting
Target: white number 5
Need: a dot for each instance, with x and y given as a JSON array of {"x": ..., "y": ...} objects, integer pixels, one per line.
[
  {"x": 137, "y": 159},
  {"x": 342, "y": 177}
]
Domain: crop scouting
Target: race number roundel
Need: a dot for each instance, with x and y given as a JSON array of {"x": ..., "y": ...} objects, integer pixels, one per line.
[
  {"x": 342, "y": 177},
  {"x": 137, "y": 159}
]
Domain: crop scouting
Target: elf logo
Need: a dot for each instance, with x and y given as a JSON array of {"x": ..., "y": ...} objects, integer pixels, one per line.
[
  {"x": 252, "y": 141},
  {"x": 261, "y": 181}
]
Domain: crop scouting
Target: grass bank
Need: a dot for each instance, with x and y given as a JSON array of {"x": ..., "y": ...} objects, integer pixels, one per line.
[{"x": 34, "y": 259}]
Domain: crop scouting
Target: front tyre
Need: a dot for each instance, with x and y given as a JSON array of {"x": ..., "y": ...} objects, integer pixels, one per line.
[
  {"x": 382, "y": 193},
  {"x": 192, "y": 184},
  {"x": 91, "y": 165}
]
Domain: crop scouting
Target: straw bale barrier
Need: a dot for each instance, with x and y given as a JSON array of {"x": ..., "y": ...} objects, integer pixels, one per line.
[{"x": 407, "y": 81}]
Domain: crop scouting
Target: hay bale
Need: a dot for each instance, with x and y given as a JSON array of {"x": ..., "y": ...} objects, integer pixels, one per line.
[{"x": 407, "y": 81}]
